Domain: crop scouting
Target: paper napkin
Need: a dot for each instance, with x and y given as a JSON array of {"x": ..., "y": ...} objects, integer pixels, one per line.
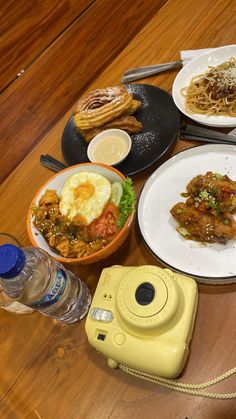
[{"x": 188, "y": 55}]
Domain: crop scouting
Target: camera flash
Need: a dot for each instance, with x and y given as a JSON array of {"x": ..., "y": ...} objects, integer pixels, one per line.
[{"x": 102, "y": 315}]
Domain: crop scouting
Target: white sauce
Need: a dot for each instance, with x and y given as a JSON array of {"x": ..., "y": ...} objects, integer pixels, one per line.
[{"x": 110, "y": 150}]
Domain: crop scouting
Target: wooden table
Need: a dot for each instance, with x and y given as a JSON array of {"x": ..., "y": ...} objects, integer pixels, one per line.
[{"x": 50, "y": 371}]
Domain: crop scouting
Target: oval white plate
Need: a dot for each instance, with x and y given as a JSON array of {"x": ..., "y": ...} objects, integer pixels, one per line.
[
  {"x": 198, "y": 66},
  {"x": 210, "y": 263}
]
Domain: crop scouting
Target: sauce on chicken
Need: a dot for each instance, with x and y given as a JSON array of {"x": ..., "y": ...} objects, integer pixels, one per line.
[{"x": 207, "y": 214}]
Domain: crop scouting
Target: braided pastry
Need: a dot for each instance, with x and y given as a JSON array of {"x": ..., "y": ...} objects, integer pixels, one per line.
[{"x": 101, "y": 106}]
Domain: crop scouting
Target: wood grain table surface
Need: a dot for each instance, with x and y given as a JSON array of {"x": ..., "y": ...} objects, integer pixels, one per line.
[
  {"x": 57, "y": 64},
  {"x": 48, "y": 370}
]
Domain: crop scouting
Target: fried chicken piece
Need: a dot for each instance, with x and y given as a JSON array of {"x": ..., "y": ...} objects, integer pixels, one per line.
[
  {"x": 53, "y": 212},
  {"x": 49, "y": 197},
  {"x": 40, "y": 212},
  {"x": 63, "y": 247},
  {"x": 195, "y": 225},
  {"x": 96, "y": 245},
  {"x": 127, "y": 123},
  {"x": 52, "y": 241},
  {"x": 213, "y": 192}
]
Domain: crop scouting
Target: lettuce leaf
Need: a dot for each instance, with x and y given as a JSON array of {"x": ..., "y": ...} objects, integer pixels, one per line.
[{"x": 127, "y": 202}]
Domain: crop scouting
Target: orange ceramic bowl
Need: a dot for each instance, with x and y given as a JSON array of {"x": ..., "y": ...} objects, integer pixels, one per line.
[{"x": 56, "y": 182}]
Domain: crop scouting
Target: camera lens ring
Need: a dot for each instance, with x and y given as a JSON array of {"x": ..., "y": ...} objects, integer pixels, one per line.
[{"x": 145, "y": 293}]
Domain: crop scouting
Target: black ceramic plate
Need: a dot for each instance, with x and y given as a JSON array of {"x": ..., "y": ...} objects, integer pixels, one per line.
[{"x": 160, "y": 119}]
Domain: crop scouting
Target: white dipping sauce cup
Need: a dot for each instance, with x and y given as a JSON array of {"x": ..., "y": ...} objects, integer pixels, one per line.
[{"x": 110, "y": 148}]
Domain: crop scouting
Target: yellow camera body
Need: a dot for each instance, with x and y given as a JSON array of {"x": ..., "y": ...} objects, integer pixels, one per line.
[{"x": 143, "y": 317}]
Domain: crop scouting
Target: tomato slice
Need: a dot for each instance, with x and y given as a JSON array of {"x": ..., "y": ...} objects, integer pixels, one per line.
[{"x": 105, "y": 226}]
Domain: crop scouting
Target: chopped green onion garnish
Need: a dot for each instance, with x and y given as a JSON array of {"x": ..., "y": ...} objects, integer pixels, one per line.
[
  {"x": 184, "y": 231},
  {"x": 204, "y": 194},
  {"x": 218, "y": 175}
]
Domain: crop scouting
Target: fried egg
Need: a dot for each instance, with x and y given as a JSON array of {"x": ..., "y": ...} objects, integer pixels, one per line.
[{"x": 84, "y": 197}]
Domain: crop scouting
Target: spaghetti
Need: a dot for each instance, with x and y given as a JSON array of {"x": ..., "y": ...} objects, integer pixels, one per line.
[{"x": 214, "y": 92}]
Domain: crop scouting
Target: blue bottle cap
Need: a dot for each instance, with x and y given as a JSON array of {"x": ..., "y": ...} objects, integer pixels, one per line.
[{"x": 12, "y": 260}]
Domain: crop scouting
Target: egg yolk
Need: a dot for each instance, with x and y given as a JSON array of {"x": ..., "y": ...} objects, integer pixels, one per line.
[{"x": 84, "y": 191}]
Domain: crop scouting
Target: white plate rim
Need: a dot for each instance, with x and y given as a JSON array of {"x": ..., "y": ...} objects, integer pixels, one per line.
[
  {"x": 229, "y": 279},
  {"x": 197, "y": 66}
]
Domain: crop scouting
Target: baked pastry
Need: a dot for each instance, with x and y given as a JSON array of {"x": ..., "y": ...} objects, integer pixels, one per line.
[
  {"x": 101, "y": 106},
  {"x": 98, "y": 98},
  {"x": 127, "y": 123},
  {"x": 106, "y": 108},
  {"x": 134, "y": 106}
]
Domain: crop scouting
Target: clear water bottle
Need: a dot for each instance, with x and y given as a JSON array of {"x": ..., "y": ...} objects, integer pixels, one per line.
[
  {"x": 7, "y": 303},
  {"x": 33, "y": 277}
]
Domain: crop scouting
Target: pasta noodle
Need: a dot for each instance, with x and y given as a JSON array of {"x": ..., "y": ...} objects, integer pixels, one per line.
[{"x": 214, "y": 92}]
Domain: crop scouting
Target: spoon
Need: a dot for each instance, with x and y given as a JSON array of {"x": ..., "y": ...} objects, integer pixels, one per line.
[{"x": 141, "y": 72}]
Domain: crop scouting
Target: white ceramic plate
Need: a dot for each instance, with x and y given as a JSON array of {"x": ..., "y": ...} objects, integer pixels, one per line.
[
  {"x": 198, "y": 66},
  {"x": 210, "y": 263}
]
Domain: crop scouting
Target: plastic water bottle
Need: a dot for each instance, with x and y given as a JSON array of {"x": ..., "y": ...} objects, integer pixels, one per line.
[{"x": 33, "y": 277}]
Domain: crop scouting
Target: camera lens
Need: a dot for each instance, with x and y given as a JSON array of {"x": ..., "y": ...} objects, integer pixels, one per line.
[{"x": 144, "y": 294}]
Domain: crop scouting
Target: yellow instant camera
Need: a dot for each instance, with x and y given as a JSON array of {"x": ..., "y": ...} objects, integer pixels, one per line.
[{"x": 143, "y": 317}]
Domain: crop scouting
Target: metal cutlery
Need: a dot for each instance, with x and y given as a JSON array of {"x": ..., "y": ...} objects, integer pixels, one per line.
[
  {"x": 141, "y": 72},
  {"x": 233, "y": 132},
  {"x": 188, "y": 132},
  {"x": 52, "y": 163},
  {"x": 206, "y": 140},
  {"x": 191, "y": 132}
]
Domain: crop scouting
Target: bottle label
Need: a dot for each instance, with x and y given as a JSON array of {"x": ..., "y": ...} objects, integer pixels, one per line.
[{"x": 55, "y": 293}]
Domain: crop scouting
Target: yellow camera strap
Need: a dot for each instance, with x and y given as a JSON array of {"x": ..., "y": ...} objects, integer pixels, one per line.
[{"x": 193, "y": 389}]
